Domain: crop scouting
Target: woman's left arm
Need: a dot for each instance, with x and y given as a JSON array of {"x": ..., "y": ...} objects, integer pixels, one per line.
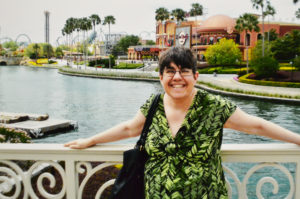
[{"x": 244, "y": 122}]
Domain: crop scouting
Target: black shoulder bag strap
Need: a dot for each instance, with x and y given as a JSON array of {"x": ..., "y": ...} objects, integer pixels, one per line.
[{"x": 141, "y": 142}]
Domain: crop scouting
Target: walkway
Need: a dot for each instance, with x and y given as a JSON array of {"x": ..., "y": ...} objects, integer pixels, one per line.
[{"x": 227, "y": 81}]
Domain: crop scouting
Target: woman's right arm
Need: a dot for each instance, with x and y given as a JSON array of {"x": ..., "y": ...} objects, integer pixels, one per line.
[{"x": 130, "y": 128}]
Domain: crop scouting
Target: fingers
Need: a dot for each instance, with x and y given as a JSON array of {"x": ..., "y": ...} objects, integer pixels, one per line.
[{"x": 70, "y": 143}]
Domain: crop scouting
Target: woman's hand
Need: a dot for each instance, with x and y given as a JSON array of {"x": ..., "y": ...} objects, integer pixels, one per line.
[{"x": 80, "y": 143}]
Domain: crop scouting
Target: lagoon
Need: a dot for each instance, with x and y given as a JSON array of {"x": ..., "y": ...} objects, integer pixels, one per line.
[{"x": 98, "y": 104}]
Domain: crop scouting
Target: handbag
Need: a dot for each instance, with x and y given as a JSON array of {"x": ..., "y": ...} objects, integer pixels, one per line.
[{"x": 130, "y": 181}]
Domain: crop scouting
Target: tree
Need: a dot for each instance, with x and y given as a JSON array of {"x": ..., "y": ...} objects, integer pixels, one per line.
[
  {"x": 162, "y": 14},
  {"x": 59, "y": 52},
  {"x": 225, "y": 52},
  {"x": 179, "y": 14},
  {"x": 297, "y": 13},
  {"x": 270, "y": 11},
  {"x": 272, "y": 35},
  {"x": 33, "y": 51},
  {"x": 256, "y": 51},
  {"x": 122, "y": 46},
  {"x": 261, "y": 4},
  {"x": 95, "y": 19},
  {"x": 247, "y": 22},
  {"x": 85, "y": 25},
  {"x": 109, "y": 20},
  {"x": 287, "y": 47},
  {"x": 264, "y": 66},
  {"x": 150, "y": 42},
  {"x": 47, "y": 50},
  {"x": 196, "y": 10},
  {"x": 11, "y": 45}
]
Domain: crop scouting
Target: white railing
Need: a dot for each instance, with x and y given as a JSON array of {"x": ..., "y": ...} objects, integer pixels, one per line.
[{"x": 16, "y": 180}]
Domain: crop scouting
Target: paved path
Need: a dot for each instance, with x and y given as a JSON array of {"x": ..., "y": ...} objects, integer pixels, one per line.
[
  {"x": 227, "y": 81},
  {"x": 221, "y": 80}
]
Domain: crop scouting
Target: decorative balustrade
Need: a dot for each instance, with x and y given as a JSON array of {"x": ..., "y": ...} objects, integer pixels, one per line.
[{"x": 31, "y": 170}]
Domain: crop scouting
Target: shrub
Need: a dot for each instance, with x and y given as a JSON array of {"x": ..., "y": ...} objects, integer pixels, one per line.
[
  {"x": 264, "y": 66},
  {"x": 102, "y": 62},
  {"x": 128, "y": 66},
  {"x": 225, "y": 52},
  {"x": 296, "y": 63},
  {"x": 244, "y": 79},
  {"x": 13, "y": 136}
]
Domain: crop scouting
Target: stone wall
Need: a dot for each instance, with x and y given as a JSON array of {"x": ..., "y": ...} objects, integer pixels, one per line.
[{"x": 10, "y": 60}]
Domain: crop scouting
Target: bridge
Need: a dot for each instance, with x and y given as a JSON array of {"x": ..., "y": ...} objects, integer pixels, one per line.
[
  {"x": 10, "y": 60},
  {"x": 25, "y": 169}
]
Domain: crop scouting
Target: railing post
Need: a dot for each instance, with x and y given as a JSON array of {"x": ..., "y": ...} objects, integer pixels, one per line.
[
  {"x": 297, "y": 180},
  {"x": 71, "y": 179}
]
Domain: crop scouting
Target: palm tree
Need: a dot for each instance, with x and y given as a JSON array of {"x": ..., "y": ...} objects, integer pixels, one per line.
[
  {"x": 247, "y": 22},
  {"x": 109, "y": 20},
  {"x": 179, "y": 14},
  {"x": 95, "y": 19},
  {"x": 196, "y": 10},
  {"x": 85, "y": 25},
  {"x": 270, "y": 11},
  {"x": 162, "y": 14},
  {"x": 260, "y": 4},
  {"x": 297, "y": 13}
]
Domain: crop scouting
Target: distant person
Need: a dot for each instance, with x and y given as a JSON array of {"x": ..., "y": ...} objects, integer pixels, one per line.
[{"x": 185, "y": 137}]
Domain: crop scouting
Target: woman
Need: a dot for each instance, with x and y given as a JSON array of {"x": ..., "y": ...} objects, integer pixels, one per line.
[{"x": 185, "y": 137}]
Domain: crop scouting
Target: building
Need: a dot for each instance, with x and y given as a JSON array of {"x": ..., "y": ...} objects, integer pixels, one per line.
[{"x": 198, "y": 35}]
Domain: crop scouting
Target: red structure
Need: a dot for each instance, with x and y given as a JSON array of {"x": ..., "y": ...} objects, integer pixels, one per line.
[{"x": 210, "y": 31}]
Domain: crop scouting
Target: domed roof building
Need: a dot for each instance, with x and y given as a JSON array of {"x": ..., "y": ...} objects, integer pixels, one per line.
[{"x": 218, "y": 22}]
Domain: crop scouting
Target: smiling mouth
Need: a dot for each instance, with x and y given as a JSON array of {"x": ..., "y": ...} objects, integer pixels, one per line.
[{"x": 178, "y": 86}]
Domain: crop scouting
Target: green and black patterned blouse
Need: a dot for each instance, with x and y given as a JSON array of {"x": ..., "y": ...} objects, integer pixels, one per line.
[{"x": 189, "y": 165}]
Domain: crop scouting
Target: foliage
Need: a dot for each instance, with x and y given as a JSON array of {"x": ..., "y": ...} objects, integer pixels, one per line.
[
  {"x": 150, "y": 42},
  {"x": 221, "y": 70},
  {"x": 247, "y": 22},
  {"x": 296, "y": 63},
  {"x": 272, "y": 35},
  {"x": 196, "y": 10},
  {"x": 225, "y": 52},
  {"x": 179, "y": 14},
  {"x": 102, "y": 62},
  {"x": 161, "y": 14},
  {"x": 109, "y": 20},
  {"x": 39, "y": 50},
  {"x": 13, "y": 136},
  {"x": 244, "y": 79},
  {"x": 33, "y": 51},
  {"x": 257, "y": 50},
  {"x": 2, "y": 52},
  {"x": 47, "y": 50},
  {"x": 297, "y": 13},
  {"x": 59, "y": 52},
  {"x": 11, "y": 45},
  {"x": 264, "y": 66},
  {"x": 128, "y": 66},
  {"x": 287, "y": 47},
  {"x": 129, "y": 40}
]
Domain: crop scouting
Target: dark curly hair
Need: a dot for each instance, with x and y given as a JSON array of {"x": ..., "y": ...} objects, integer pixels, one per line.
[{"x": 182, "y": 57}]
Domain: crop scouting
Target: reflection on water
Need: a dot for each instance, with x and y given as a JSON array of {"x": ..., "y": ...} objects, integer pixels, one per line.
[{"x": 97, "y": 104}]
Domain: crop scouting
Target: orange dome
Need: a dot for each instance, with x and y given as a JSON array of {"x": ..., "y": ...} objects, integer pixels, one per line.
[{"x": 218, "y": 22}]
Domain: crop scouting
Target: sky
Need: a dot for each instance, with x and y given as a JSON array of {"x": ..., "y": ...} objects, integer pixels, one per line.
[{"x": 132, "y": 16}]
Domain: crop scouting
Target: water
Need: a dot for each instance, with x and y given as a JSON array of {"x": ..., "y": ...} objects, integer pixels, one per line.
[{"x": 98, "y": 104}]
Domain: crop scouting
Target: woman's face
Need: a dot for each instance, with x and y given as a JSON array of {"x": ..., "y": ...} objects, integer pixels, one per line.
[{"x": 181, "y": 84}]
